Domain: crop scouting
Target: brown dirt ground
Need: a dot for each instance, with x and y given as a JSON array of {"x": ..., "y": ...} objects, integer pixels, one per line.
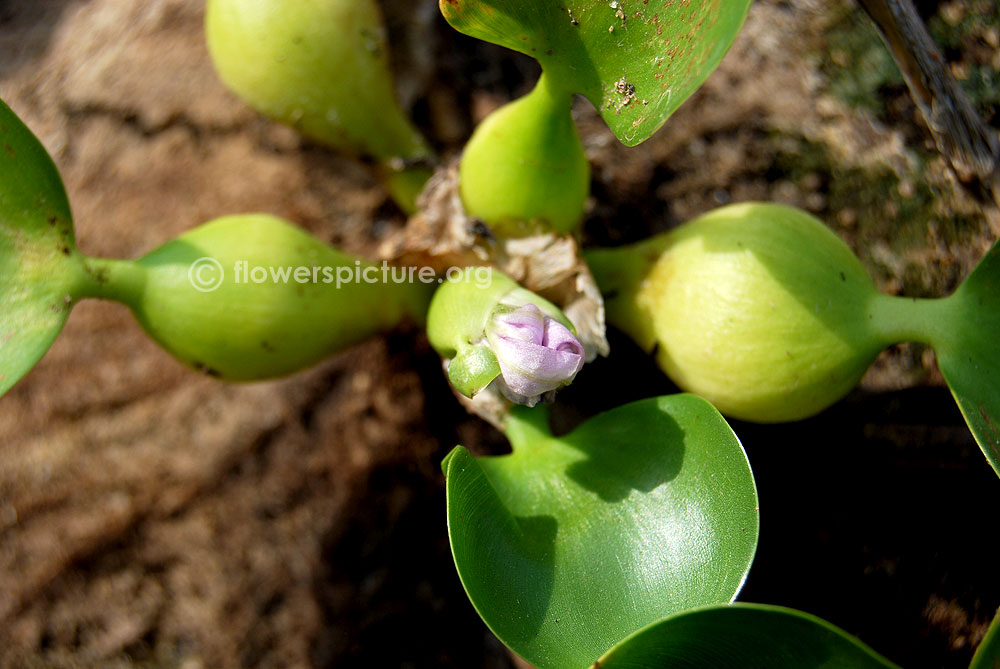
[{"x": 153, "y": 517}]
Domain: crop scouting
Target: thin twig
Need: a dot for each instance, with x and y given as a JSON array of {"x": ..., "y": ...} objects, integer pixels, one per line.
[{"x": 959, "y": 131}]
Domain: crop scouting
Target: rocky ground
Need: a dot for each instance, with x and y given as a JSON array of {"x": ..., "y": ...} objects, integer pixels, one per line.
[{"x": 153, "y": 517}]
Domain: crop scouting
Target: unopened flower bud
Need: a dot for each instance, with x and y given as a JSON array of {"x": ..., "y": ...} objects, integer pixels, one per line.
[
  {"x": 536, "y": 353},
  {"x": 503, "y": 334}
]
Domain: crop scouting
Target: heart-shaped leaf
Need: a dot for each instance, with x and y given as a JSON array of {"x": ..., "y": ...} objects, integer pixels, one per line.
[
  {"x": 37, "y": 274},
  {"x": 742, "y": 636},
  {"x": 988, "y": 654},
  {"x": 570, "y": 544},
  {"x": 635, "y": 60},
  {"x": 967, "y": 352}
]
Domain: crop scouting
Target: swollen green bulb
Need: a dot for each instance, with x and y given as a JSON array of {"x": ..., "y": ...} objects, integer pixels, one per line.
[
  {"x": 318, "y": 65},
  {"x": 759, "y": 308},
  {"x": 252, "y": 297},
  {"x": 525, "y": 166}
]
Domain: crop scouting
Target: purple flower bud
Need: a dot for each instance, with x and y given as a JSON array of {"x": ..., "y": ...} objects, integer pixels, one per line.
[{"x": 537, "y": 354}]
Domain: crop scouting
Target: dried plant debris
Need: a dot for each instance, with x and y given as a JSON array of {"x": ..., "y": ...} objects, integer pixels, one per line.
[{"x": 442, "y": 235}]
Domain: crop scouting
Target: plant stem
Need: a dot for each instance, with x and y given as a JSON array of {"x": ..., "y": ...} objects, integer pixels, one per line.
[
  {"x": 895, "y": 319},
  {"x": 526, "y": 427},
  {"x": 404, "y": 184},
  {"x": 615, "y": 269},
  {"x": 111, "y": 279},
  {"x": 416, "y": 300}
]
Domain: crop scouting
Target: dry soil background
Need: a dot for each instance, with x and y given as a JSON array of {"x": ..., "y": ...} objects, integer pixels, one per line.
[{"x": 150, "y": 516}]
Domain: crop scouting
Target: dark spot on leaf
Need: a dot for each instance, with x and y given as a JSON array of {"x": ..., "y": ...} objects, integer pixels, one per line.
[
  {"x": 10, "y": 150},
  {"x": 548, "y": 52},
  {"x": 65, "y": 250},
  {"x": 100, "y": 274},
  {"x": 989, "y": 421},
  {"x": 843, "y": 277},
  {"x": 267, "y": 347},
  {"x": 995, "y": 442}
]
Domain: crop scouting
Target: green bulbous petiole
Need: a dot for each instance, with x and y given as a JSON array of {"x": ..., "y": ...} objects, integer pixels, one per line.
[
  {"x": 758, "y": 308},
  {"x": 524, "y": 168},
  {"x": 322, "y": 67},
  {"x": 765, "y": 312},
  {"x": 252, "y": 297}
]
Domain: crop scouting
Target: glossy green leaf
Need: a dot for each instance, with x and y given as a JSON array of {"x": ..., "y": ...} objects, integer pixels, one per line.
[
  {"x": 742, "y": 636},
  {"x": 635, "y": 60},
  {"x": 570, "y": 544},
  {"x": 988, "y": 653},
  {"x": 969, "y": 356},
  {"x": 38, "y": 267}
]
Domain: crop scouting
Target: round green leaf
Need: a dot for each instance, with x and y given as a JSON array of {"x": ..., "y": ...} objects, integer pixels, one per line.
[
  {"x": 38, "y": 258},
  {"x": 742, "y": 636},
  {"x": 988, "y": 653},
  {"x": 968, "y": 355},
  {"x": 570, "y": 544},
  {"x": 635, "y": 60}
]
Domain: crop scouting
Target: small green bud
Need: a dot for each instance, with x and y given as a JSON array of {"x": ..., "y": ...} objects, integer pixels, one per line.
[
  {"x": 318, "y": 65},
  {"x": 525, "y": 166},
  {"x": 472, "y": 369},
  {"x": 759, "y": 308},
  {"x": 252, "y": 297}
]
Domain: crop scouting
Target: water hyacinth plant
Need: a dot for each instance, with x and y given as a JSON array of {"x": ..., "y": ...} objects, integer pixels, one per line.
[{"x": 624, "y": 540}]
